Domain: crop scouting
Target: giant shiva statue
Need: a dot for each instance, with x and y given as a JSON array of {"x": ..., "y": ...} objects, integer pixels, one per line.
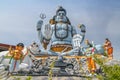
[
  {"x": 59, "y": 33},
  {"x": 61, "y": 48}
]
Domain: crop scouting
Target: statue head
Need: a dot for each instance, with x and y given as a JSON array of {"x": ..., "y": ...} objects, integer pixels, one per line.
[
  {"x": 106, "y": 40},
  {"x": 61, "y": 15},
  {"x": 60, "y": 8},
  {"x": 86, "y": 41},
  {"x": 20, "y": 46}
]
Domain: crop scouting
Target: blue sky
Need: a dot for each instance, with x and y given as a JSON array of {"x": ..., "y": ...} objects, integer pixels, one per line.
[{"x": 18, "y": 19}]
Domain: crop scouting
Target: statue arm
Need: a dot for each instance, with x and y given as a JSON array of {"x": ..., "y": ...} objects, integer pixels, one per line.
[
  {"x": 71, "y": 52},
  {"x": 44, "y": 34},
  {"x": 11, "y": 51},
  {"x": 83, "y": 31},
  {"x": 39, "y": 27},
  {"x": 39, "y": 30},
  {"x": 73, "y": 31}
]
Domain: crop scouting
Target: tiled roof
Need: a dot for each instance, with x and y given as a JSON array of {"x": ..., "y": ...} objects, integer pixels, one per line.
[{"x": 4, "y": 47}]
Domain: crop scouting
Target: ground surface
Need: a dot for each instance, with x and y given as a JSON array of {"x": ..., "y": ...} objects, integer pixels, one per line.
[{"x": 46, "y": 78}]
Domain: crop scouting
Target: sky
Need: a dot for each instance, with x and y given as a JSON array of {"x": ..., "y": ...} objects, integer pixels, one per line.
[{"x": 18, "y": 19}]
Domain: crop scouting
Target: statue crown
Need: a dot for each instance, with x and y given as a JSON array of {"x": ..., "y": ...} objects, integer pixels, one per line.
[{"x": 60, "y": 8}]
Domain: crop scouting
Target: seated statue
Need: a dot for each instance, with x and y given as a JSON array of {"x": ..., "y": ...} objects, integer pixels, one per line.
[{"x": 59, "y": 32}]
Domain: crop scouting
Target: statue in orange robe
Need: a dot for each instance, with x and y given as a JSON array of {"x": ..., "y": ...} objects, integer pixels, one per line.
[
  {"x": 108, "y": 47},
  {"x": 16, "y": 57},
  {"x": 90, "y": 61}
]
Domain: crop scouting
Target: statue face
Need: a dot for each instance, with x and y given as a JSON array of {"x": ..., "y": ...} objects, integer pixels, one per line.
[
  {"x": 86, "y": 42},
  {"x": 19, "y": 48},
  {"x": 61, "y": 17}
]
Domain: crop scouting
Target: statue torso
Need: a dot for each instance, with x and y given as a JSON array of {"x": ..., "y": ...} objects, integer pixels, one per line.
[
  {"x": 17, "y": 54},
  {"x": 62, "y": 34}
]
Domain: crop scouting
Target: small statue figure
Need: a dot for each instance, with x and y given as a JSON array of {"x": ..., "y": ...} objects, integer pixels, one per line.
[
  {"x": 16, "y": 57},
  {"x": 88, "y": 43},
  {"x": 108, "y": 47},
  {"x": 90, "y": 60}
]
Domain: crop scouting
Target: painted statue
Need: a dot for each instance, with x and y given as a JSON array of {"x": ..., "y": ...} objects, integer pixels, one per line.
[
  {"x": 108, "y": 47},
  {"x": 58, "y": 33},
  {"x": 16, "y": 59},
  {"x": 90, "y": 61}
]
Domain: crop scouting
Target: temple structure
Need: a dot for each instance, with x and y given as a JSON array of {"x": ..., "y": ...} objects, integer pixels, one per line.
[{"x": 5, "y": 47}]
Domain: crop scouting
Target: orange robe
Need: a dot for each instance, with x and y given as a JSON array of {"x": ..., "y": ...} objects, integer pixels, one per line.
[
  {"x": 91, "y": 64},
  {"x": 109, "y": 49}
]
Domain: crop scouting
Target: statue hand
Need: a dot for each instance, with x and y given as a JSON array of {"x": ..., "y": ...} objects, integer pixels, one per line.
[
  {"x": 82, "y": 27},
  {"x": 39, "y": 24},
  {"x": 47, "y": 31}
]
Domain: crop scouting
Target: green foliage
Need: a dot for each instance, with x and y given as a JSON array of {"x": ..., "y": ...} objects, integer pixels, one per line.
[
  {"x": 88, "y": 78},
  {"x": 7, "y": 57},
  {"x": 29, "y": 78},
  {"x": 16, "y": 78},
  {"x": 105, "y": 53},
  {"x": 50, "y": 74},
  {"x": 111, "y": 72},
  {"x": 100, "y": 61}
]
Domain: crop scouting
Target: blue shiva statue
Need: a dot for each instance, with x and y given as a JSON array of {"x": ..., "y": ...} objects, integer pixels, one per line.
[{"x": 59, "y": 34}]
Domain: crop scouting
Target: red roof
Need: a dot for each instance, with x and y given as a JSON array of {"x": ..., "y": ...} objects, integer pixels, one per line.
[{"x": 5, "y": 46}]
